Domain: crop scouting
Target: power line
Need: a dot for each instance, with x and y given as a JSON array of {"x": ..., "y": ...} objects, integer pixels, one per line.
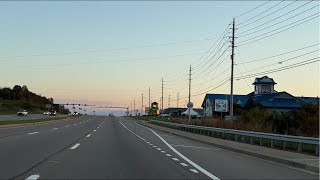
[
  {"x": 272, "y": 34},
  {"x": 253, "y": 9},
  {"x": 274, "y": 19},
  {"x": 280, "y": 62},
  {"x": 261, "y": 12},
  {"x": 309, "y": 61},
  {"x": 268, "y": 14},
  {"x": 104, "y": 50},
  {"x": 259, "y": 30},
  {"x": 261, "y": 59},
  {"x": 221, "y": 84},
  {"x": 240, "y": 71}
]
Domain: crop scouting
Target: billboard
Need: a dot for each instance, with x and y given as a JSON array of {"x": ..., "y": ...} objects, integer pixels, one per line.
[{"x": 221, "y": 105}]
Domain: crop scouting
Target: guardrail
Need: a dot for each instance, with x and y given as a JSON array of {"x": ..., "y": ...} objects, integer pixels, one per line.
[{"x": 245, "y": 135}]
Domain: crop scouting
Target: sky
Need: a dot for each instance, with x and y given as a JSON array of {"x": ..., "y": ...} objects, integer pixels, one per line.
[{"x": 109, "y": 53}]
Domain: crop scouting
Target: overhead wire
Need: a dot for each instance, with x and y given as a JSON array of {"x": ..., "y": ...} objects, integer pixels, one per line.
[
  {"x": 261, "y": 13},
  {"x": 268, "y": 14},
  {"x": 281, "y": 54},
  {"x": 309, "y": 61},
  {"x": 253, "y": 9},
  {"x": 277, "y": 18},
  {"x": 242, "y": 43}
]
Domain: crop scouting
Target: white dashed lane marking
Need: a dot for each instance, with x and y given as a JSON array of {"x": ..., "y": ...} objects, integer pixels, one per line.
[
  {"x": 33, "y": 177},
  {"x": 88, "y": 135},
  {"x": 55, "y": 128},
  {"x": 169, "y": 155},
  {"x": 184, "y": 164},
  {"x": 154, "y": 146},
  {"x": 163, "y": 151},
  {"x": 159, "y": 149},
  {"x": 94, "y": 130},
  {"x": 33, "y": 133},
  {"x": 67, "y": 126},
  {"x": 175, "y": 159},
  {"x": 194, "y": 171},
  {"x": 75, "y": 146}
]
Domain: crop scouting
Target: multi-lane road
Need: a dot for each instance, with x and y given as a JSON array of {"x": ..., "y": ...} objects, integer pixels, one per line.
[{"x": 97, "y": 147}]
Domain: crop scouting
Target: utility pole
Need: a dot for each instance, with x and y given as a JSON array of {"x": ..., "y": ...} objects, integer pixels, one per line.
[
  {"x": 131, "y": 108},
  {"x": 232, "y": 63},
  {"x": 177, "y": 103},
  {"x": 169, "y": 102},
  {"x": 189, "y": 94},
  {"x": 142, "y": 105},
  {"x": 161, "y": 98},
  {"x": 149, "y": 99},
  {"x": 134, "y": 106}
]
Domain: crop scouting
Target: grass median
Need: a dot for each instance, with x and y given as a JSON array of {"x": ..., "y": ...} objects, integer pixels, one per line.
[{"x": 32, "y": 121}]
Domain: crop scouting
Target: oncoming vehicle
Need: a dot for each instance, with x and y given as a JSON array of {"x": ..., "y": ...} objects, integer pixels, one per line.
[
  {"x": 53, "y": 113},
  {"x": 46, "y": 113},
  {"x": 22, "y": 112}
]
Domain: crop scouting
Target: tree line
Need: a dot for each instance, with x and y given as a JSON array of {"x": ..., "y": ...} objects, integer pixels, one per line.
[{"x": 21, "y": 97}]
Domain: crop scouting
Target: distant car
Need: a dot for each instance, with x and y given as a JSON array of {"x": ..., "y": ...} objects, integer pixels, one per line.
[
  {"x": 22, "y": 112},
  {"x": 46, "y": 113},
  {"x": 53, "y": 113}
]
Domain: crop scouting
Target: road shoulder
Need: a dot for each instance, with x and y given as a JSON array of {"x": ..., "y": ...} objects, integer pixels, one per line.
[{"x": 296, "y": 160}]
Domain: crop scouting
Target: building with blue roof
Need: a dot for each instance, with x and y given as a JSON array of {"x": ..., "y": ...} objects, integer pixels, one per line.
[{"x": 264, "y": 94}]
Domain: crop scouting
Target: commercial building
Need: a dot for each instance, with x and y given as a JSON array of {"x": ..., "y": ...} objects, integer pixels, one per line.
[{"x": 264, "y": 94}]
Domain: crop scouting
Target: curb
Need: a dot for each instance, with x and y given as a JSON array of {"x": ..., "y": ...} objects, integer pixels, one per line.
[{"x": 261, "y": 156}]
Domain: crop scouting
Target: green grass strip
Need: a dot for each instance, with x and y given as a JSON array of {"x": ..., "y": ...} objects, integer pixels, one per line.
[{"x": 31, "y": 121}]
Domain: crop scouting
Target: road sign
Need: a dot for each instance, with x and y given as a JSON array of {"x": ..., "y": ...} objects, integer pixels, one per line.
[
  {"x": 221, "y": 105},
  {"x": 48, "y": 106}
]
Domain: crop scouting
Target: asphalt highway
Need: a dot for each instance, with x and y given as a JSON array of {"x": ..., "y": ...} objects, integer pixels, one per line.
[{"x": 97, "y": 147}]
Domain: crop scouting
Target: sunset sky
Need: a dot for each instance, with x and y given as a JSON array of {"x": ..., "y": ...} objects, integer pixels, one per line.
[{"x": 109, "y": 53}]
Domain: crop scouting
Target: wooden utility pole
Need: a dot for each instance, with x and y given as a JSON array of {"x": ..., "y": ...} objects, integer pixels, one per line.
[
  {"x": 142, "y": 105},
  {"x": 149, "y": 99},
  {"x": 161, "y": 97},
  {"x": 189, "y": 94},
  {"x": 232, "y": 64}
]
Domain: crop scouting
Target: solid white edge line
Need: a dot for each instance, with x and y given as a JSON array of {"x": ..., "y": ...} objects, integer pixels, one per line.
[
  {"x": 131, "y": 131},
  {"x": 183, "y": 157},
  {"x": 75, "y": 146},
  {"x": 33, "y": 133},
  {"x": 33, "y": 177},
  {"x": 180, "y": 145}
]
